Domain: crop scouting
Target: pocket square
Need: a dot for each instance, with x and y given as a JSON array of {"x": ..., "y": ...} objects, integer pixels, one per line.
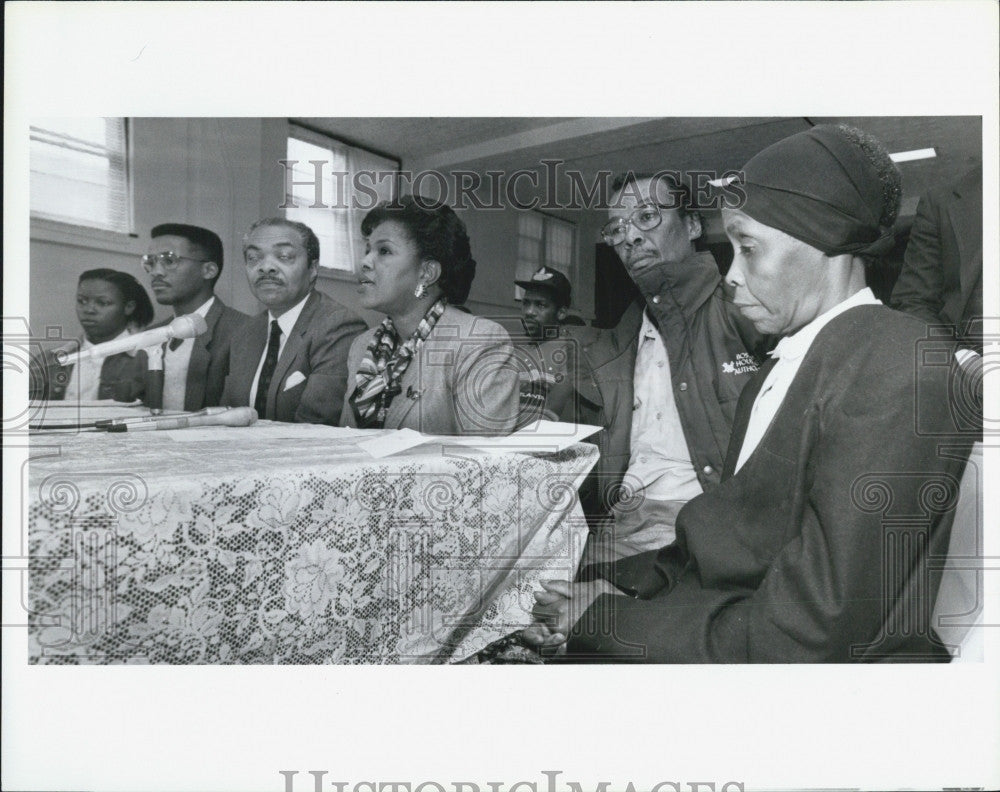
[{"x": 294, "y": 379}]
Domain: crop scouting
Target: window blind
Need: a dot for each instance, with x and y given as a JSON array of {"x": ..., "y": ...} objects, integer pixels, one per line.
[
  {"x": 333, "y": 209},
  {"x": 80, "y": 172},
  {"x": 543, "y": 240}
]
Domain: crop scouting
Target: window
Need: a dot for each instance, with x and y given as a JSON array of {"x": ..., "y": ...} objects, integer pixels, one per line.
[
  {"x": 80, "y": 172},
  {"x": 331, "y": 205},
  {"x": 543, "y": 241}
]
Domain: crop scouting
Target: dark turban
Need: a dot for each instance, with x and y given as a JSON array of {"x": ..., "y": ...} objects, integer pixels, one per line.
[{"x": 819, "y": 187}]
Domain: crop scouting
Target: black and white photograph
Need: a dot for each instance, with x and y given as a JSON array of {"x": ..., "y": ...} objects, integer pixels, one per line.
[{"x": 689, "y": 402}]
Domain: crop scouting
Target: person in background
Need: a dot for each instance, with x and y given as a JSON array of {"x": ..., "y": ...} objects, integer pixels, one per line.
[
  {"x": 546, "y": 357},
  {"x": 942, "y": 284},
  {"x": 289, "y": 362},
  {"x": 799, "y": 554},
  {"x": 109, "y": 305},
  {"x": 426, "y": 366},
  {"x": 664, "y": 382},
  {"x": 942, "y": 277},
  {"x": 184, "y": 263}
]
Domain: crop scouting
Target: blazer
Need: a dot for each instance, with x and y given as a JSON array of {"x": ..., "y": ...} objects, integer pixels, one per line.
[
  {"x": 822, "y": 547},
  {"x": 462, "y": 381},
  {"x": 941, "y": 279},
  {"x": 316, "y": 350},
  {"x": 713, "y": 352},
  {"x": 209, "y": 364},
  {"x": 121, "y": 378}
]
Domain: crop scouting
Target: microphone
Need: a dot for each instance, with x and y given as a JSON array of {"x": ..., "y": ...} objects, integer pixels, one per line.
[
  {"x": 105, "y": 424},
  {"x": 235, "y": 416},
  {"x": 187, "y": 326}
]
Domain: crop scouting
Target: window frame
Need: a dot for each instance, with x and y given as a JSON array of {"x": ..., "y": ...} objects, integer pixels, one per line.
[
  {"x": 316, "y": 137},
  {"x": 48, "y": 229},
  {"x": 548, "y": 218}
]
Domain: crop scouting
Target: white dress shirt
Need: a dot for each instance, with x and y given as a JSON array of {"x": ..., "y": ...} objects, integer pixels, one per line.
[
  {"x": 175, "y": 366},
  {"x": 286, "y": 322},
  {"x": 85, "y": 377},
  {"x": 660, "y": 459},
  {"x": 790, "y": 351}
]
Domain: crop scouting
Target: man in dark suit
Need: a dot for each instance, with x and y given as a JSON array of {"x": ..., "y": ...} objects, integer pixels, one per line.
[
  {"x": 290, "y": 362},
  {"x": 800, "y": 554},
  {"x": 184, "y": 263},
  {"x": 942, "y": 277}
]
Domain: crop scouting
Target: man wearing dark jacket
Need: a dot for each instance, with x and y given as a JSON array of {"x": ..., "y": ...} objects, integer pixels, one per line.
[
  {"x": 184, "y": 263},
  {"x": 824, "y": 540},
  {"x": 290, "y": 363},
  {"x": 665, "y": 381}
]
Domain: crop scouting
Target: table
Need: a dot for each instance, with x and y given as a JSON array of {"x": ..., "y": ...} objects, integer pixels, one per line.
[{"x": 144, "y": 548}]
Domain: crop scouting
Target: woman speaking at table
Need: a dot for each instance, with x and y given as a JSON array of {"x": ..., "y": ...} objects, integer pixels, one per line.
[
  {"x": 427, "y": 366},
  {"x": 109, "y": 305}
]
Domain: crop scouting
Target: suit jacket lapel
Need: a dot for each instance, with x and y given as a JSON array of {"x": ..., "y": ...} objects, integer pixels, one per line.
[
  {"x": 246, "y": 357},
  {"x": 197, "y": 373},
  {"x": 966, "y": 214},
  {"x": 605, "y": 391},
  {"x": 293, "y": 346},
  {"x": 412, "y": 384}
]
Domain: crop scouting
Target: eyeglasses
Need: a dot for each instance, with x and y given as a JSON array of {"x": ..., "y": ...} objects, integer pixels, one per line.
[
  {"x": 645, "y": 218},
  {"x": 168, "y": 260}
]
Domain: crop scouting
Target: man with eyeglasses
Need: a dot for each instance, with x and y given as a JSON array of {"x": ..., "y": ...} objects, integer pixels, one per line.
[
  {"x": 291, "y": 361},
  {"x": 665, "y": 381},
  {"x": 184, "y": 263}
]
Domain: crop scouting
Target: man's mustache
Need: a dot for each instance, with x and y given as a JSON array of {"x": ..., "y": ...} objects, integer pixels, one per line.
[{"x": 266, "y": 279}]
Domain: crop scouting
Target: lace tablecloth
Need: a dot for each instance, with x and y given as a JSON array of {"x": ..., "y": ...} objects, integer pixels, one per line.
[{"x": 148, "y": 549}]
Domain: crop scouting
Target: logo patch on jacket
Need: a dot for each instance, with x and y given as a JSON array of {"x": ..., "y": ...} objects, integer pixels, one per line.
[{"x": 744, "y": 364}]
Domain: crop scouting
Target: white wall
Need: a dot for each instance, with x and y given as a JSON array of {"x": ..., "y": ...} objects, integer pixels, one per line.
[{"x": 223, "y": 173}]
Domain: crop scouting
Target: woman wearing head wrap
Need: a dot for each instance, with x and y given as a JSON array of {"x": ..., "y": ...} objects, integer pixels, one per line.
[
  {"x": 109, "y": 305},
  {"x": 428, "y": 366},
  {"x": 798, "y": 556}
]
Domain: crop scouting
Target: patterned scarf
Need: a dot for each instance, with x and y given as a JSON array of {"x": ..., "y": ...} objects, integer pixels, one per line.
[{"x": 383, "y": 366}]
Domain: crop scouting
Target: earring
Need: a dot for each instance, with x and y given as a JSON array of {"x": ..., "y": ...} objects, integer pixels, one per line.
[{"x": 420, "y": 291}]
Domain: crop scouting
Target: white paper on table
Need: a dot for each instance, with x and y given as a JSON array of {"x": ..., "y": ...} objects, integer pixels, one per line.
[
  {"x": 395, "y": 441},
  {"x": 542, "y": 436},
  {"x": 269, "y": 431},
  {"x": 73, "y": 413},
  {"x": 72, "y": 404}
]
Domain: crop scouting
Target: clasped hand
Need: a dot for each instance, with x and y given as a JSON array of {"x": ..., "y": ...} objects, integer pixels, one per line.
[{"x": 558, "y": 607}]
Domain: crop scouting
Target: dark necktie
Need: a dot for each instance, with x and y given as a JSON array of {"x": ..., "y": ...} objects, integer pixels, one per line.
[{"x": 267, "y": 372}]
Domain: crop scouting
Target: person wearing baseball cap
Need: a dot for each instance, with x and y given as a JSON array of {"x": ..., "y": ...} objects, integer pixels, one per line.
[
  {"x": 545, "y": 302},
  {"x": 545, "y": 357},
  {"x": 817, "y": 546}
]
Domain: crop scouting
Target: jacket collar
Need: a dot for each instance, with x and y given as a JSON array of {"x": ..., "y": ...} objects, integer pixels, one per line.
[{"x": 687, "y": 284}]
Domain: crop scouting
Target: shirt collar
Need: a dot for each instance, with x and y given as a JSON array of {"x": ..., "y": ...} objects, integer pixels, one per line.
[
  {"x": 796, "y": 345},
  {"x": 288, "y": 319},
  {"x": 205, "y": 307},
  {"x": 648, "y": 329}
]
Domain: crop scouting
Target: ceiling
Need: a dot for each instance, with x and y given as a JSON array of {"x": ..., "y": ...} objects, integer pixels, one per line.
[{"x": 589, "y": 145}]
